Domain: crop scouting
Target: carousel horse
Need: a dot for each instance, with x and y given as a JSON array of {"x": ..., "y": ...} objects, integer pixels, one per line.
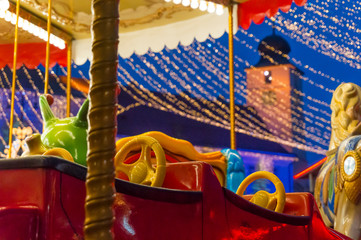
[{"x": 338, "y": 184}]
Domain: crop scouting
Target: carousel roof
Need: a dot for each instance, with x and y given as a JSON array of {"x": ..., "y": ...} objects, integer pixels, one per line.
[{"x": 74, "y": 17}]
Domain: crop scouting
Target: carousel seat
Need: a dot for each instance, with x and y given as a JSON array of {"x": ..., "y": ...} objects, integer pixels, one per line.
[
  {"x": 178, "y": 150},
  {"x": 186, "y": 176},
  {"x": 47, "y": 194}
]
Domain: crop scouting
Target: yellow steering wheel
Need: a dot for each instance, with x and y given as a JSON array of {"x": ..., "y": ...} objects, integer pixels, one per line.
[
  {"x": 142, "y": 171},
  {"x": 275, "y": 201}
]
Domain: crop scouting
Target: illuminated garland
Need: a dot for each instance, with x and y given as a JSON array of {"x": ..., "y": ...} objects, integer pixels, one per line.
[
  {"x": 141, "y": 71},
  {"x": 35, "y": 118},
  {"x": 336, "y": 22},
  {"x": 16, "y": 101},
  {"x": 212, "y": 56}
]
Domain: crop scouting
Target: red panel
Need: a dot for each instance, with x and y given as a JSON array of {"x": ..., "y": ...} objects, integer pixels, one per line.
[
  {"x": 213, "y": 213},
  {"x": 22, "y": 222},
  {"x": 147, "y": 219},
  {"x": 257, "y": 10},
  {"x": 248, "y": 221},
  {"x": 31, "y": 54},
  {"x": 184, "y": 176}
]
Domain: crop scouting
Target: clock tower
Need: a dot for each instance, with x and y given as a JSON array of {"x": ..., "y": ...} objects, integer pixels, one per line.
[{"x": 272, "y": 85}]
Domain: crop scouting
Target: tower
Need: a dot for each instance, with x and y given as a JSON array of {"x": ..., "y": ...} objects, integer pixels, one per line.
[{"x": 270, "y": 87}]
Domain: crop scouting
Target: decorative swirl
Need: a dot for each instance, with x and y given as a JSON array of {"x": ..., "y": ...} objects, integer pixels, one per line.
[{"x": 102, "y": 121}]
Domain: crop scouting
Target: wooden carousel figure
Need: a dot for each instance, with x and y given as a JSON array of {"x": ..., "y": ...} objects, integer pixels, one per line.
[{"x": 338, "y": 184}]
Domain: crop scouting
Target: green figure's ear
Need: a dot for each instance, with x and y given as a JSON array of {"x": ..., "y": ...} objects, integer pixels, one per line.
[
  {"x": 45, "y": 109},
  {"x": 81, "y": 117}
]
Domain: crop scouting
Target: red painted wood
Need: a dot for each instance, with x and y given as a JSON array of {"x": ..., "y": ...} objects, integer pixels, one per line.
[{"x": 51, "y": 205}]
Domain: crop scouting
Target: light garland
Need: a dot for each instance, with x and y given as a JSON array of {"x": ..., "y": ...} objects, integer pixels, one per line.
[
  {"x": 318, "y": 139},
  {"x": 32, "y": 28},
  {"x": 25, "y": 100},
  {"x": 17, "y": 103},
  {"x": 201, "y": 5},
  {"x": 211, "y": 57},
  {"x": 211, "y": 76},
  {"x": 4, "y": 5},
  {"x": 323, "y": 46},
  {"x": 139, "y": 69},
  {"x": 293, "y": 71},
  {"x": 21, "y": 90},
  {"x": 325, "y": 28}
]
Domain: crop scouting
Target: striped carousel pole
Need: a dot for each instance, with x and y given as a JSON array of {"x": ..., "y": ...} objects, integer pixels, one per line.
[
  {"x": 14, "y": 78},
  {"x": 99, "y": 214}
]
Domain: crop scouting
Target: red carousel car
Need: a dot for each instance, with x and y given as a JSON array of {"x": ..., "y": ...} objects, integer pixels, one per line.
[{"x": 42, "y": 197}]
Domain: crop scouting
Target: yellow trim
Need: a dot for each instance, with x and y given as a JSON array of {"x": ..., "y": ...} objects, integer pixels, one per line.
[
  {"x": 356, "y": 174},
  {"x": 14, "y": 78}
]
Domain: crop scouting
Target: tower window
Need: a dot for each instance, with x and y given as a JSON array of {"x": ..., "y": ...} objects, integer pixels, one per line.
[{"x": 267, "y": 76}]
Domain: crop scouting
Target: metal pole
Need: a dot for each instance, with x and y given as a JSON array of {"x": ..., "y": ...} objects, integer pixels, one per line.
[
  {"x": 68, "y": 80},
  {"x": 14, "y": 78},
  {"x": 47, "y": 49},
  {"x": 231, "y": 76}
]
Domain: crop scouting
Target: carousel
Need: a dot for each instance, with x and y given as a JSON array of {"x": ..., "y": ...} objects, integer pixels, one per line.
[{"x": 74, "y": 180}]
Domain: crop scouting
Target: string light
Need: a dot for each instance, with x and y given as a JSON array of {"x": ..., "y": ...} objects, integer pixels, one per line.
[
  {"x": 195, "y": 5},
  {"x": 4, "y": 5},
  {"x": 30, "y": 115},
  {"x": 335, "y": 36},
  {"x": 186, "y": 3},
  {"x": 306, "y": 79},
  {"x": 213, "y": 79},
  {"x": 17, "y": 103},
  {"x": 212, "y": 57},
  {"x": 32, "y": 28},
  {"x": 140, "y": 70},
  {"x": 201, "y": 5},
  {"x": 307, "y": 113},
  {"x": 223, "y": 58}
]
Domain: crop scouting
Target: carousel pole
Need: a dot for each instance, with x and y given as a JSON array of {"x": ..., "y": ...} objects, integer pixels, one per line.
[
  {"x": 47, "y": 49},
  {"x": 231, "y": 76},
  {"x": 68, "y": 80},
  {"x": 14, "y": 78},
  {"x": 102, "y": 118}
]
